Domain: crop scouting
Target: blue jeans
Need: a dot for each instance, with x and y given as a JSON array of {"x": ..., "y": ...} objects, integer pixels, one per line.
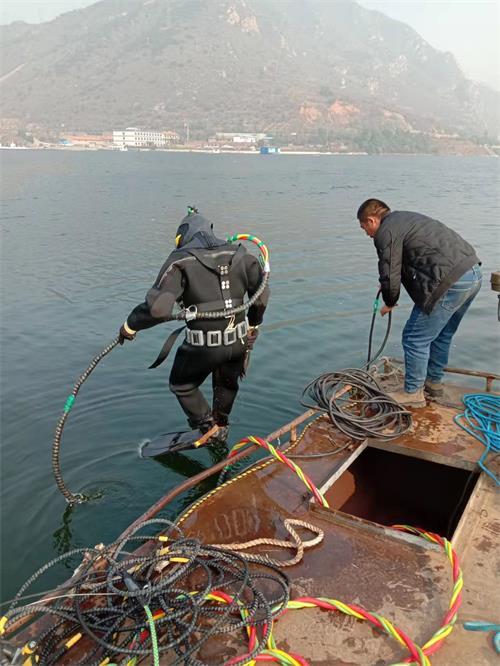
[{"x": 427, "y": 337}]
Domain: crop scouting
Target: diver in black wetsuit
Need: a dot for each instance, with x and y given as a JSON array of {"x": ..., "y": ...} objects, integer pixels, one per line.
[{"x": 206, "y": 272}]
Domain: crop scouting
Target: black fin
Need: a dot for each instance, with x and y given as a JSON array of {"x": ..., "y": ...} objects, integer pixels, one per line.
[{"x": 170, "y": 442}]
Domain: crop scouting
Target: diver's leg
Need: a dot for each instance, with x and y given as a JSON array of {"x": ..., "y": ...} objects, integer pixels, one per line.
[
  {"x": 191, "y": 367},
  {"x": 225, "y": 385}
]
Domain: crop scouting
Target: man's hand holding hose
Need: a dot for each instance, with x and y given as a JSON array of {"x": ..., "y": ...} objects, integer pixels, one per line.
[{"x": 385, "y": 309}]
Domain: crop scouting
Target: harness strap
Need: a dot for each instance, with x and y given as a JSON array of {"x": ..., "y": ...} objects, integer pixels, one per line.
[
  {"x": 167, "y": 347},
  {"x": 209, "y": 306}
]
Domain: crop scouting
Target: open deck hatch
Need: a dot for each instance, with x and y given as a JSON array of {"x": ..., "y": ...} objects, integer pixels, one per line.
[{"x": 388, "y": 488}]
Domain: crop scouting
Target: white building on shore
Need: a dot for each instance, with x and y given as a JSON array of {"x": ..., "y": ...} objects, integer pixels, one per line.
[
  {"x": 132, "y": 137},
  {"x": 241, "y": 137}
]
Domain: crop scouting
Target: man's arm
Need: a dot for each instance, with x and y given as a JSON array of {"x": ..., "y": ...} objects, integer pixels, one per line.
[
  {"x": 254, "y": 275},
  {"x": 159, "y": 302},
  {"x": 390, "y": 258}
]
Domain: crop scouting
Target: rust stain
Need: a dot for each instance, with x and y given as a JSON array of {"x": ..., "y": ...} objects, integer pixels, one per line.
[
  {"x": 485, "y": 545},
  {"x": 492, "y": 526}
]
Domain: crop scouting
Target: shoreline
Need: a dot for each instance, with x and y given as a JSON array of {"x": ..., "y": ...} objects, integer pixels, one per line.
[{"x": 206, "y": 151}]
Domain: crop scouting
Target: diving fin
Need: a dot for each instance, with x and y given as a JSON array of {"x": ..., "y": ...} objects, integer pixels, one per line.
[{"x": 171, "y": 442}]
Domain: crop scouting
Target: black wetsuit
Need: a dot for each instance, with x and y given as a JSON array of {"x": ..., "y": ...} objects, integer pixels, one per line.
[{"x": 212, "y": 275}]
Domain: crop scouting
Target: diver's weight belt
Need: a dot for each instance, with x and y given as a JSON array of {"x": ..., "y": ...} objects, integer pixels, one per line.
[{"x": 217, "y": 338}]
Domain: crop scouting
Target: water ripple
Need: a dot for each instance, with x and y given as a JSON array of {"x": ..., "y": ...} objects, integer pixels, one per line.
[{"x": 73, "y": 266}]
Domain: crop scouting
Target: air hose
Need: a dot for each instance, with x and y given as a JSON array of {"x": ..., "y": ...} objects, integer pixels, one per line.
[
  {"x": 366, "y": 411},
  {"x": 377, "y": 414},
  {"x": 56, "y": 446},
  {"x": 369, "y": 358},
  {"x": 185, "y": 314}
]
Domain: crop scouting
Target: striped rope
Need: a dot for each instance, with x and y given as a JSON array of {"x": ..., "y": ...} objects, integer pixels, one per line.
[
  {"x": 283, "y": 459},
  {"x": 419, "y": 656},
  {"x": 252, "y": 470},
  {"x": 435, "y": 642},
  {"x": 275, "y": 655}
]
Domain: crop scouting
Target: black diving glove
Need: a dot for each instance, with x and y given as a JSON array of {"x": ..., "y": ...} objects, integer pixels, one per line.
[
  {"x": 252, "y": 335},
  {"x": 125, "y": 333}
]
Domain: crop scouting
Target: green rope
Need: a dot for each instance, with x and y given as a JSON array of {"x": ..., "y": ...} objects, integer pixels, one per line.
[{"x": 154, "y": 639}]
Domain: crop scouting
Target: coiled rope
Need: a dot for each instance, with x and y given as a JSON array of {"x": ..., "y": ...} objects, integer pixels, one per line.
[
  {"x": 296, "y": 542},
  {"x": 185, "y": 314},
  {"x": 481, "y": 419},
  {"x": 367, "y": 411}
]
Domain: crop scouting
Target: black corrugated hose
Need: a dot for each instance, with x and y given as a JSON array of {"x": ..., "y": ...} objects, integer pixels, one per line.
[
  {"x": 174, "y": 583},
  {"x": 356, "y": 404}
]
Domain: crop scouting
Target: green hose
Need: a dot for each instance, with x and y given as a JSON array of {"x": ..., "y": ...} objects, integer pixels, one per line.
[{"x": 154, "y": 639}]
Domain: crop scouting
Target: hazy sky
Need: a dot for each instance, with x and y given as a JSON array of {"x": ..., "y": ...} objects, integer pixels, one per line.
[{"x": 470, "y": 29}]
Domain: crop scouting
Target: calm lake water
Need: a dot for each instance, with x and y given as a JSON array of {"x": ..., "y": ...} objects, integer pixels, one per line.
[{"x": 84, "y": 235}]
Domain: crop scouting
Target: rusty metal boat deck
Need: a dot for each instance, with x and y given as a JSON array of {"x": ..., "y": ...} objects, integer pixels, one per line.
[{"x": 428, "y": 477}]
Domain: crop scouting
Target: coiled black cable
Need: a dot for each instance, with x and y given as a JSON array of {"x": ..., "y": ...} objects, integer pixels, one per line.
[
  {"x": 356, "y": 404},
  {"x": 174, "y": 580}
]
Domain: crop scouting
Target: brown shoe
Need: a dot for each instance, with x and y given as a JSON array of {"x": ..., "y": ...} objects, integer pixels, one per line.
[
  {"x": 406, "y": 399},
  {"x": 434, "y": 389}
]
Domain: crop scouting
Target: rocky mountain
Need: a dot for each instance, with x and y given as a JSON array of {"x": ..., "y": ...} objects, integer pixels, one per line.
[{"x": 236, "y": 65}]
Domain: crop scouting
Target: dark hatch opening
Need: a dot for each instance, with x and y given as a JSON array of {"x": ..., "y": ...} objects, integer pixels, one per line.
[{"x": 389, "y": 488}]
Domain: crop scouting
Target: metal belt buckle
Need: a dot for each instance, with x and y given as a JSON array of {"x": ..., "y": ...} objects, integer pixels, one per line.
[
  {"x": 230, "y": 336},
  {"x": 242, "y": 329},
  {"x": 196, "y": 338},
  {"x": 214, "y": 338}
]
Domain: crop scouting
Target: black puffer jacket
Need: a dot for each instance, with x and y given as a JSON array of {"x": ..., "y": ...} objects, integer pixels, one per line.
[{"x": 425, "y": 255}]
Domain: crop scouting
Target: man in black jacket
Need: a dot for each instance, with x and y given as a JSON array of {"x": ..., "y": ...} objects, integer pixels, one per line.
[
  {"x": 441, "y": 273},
  {"x": 207, "y": 273}
]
